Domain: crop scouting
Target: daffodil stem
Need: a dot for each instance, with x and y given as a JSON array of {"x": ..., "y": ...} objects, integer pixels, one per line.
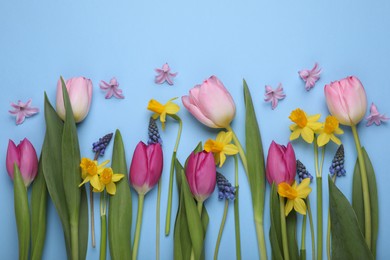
[
  {"x": 158, "y": 205},
  {"x": 138, "y": 225},
  {"x": 237, "y": 212},
  {"x": 240, "y": 150},
  {"x": 366, "y": 194},
  {"x": 322, "y": 159},
  {"x": 316, "y": 157},
  {"x": 284, "y": 229},
  {"x": 319, "y": 218},
  {"x": 313, "y": 243},
  {"x": 172, "y": 169},
  {"x": 92, "y": 213},
  {"x": 103, "y": 226},
  {"x": 225, "y": 211},
  {"x": 303, "y": 235},
  {"x": 328, "y": 230}
]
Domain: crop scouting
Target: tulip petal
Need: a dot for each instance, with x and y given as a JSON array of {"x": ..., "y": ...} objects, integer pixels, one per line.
[
  {"x": 197, "y": 113},
  {"x": 12, "y": 158}
]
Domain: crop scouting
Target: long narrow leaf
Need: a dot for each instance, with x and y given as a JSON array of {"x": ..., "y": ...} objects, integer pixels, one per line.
[
  {"x": 83, "y": 224},
  {"x": 120, "y": 208},
  {"x": 291, "y": 224},
  {"x": 275, "y": 232}
]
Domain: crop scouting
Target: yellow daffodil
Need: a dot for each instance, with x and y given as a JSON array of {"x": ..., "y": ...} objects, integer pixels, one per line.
[
  {"x": 295, "y": 195},
  {"x": 90, "y": 171},
  {"x": 328, "y": 131},
  {"x": 304, "y": 125},
  {"x": 221, "y": 147},
  {"x": 161, "y": 110},
  {"x": 107, "y": 180}
]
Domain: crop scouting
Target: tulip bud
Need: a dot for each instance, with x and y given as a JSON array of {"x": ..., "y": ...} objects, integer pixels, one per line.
[
  {"x": 281, "y": 164},
  {"x": 25, "y": 157},
  {"x": 346, "y": 100},
  {"x": 201, "y": 174},
  {"x": 146, "y": 167},
  {"x": 211, "y": 103},
  {"x": 80, "y": 96}
]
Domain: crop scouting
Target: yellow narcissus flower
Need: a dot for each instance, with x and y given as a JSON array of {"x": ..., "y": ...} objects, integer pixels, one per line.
[
  {"x": 304, "y": 125},
  {"x": 107, "y": 180},
  {"x": 90, "y": 171},
  {"x": 328, "y": 131},
  {"x": 161, "y": 110},
  {"x": 295, "y": 195},
  {"x": 221, "y": 147}
]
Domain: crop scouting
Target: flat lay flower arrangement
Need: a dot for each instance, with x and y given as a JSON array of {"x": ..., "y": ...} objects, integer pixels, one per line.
[{"x": 62, "y": 175}]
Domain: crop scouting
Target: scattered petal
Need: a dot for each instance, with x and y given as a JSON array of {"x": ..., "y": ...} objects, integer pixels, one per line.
[
  {"x": 23, "y": 110},
  {"x": 375, "y": 116},
  {"x": 310, "y": 76},
  {"x": 164, "y": 74},
  {"x": 274, "y": 96},
  {"x": 112, "y": 88}
]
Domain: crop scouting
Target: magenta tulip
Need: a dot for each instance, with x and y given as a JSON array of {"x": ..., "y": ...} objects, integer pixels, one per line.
[
  {"x": 201, "y": 174},
  {"x": 146, "y": 167},
  {"x": 346, "y": 100},
  {"x": 25, "y": 157},
  {"x": 80, "y": 96},
  {"x": 211, "y": 103},
  {"x": 281, "y": 164}
]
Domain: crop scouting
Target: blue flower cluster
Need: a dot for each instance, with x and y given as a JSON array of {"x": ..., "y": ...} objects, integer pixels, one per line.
[
  {"x": 154, "y": 135},
  {"x": 101, "y": 145},
  {"x": 302, "y": 172},
  {"x": 337, "y": 166},
  {"x": 225, "y": 188}
]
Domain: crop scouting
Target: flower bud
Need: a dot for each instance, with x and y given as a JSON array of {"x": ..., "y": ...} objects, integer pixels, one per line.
[{"x": 281, "y": 164}]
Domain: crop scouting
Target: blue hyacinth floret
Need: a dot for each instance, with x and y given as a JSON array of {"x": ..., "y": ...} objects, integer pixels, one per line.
[
  {"x": 225, "y": 188},
  {"x": 337, "y": 166},
  {"x": 302, "y": 172},
  {"x": 154, "y": 135},
  {"x": 101, "y": 145}
]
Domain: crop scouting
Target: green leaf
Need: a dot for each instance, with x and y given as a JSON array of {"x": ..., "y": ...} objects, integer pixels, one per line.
[
  {"x": 52, "y": 167},
  {"x": 275, "y": 232},
  {"x": 22, "y": 214},
  {"x": 120, "y": 207},
  {"x": 38, "y": 214},
  {"x": 83, "y": 224},
  {"x": 357, "y": 199},
  {"x": 302, "y": 254},
  {"x": 347, "y": 239},
  {"x": 205, "y": 223},
  {"x": 291, "y": 226}
]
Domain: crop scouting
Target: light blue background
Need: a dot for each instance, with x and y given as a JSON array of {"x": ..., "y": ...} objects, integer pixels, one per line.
[{"x": 265, "y": 42}]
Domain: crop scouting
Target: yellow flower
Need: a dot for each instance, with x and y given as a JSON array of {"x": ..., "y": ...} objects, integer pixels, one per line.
[
  {"x": 295, "y": 195},
  {"x": 328, "y": 131},
  {"x": 90, "y": 171},
  {"x": 161, "y": 110},
  {"x": 108, "y": 179},
  {"x": 304, "y": 125},
  {"x": 221, "y": 146}
]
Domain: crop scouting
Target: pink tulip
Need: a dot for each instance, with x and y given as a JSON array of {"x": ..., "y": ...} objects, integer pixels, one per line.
[
  {"x": 25, "y": 157},
  {"x": 211, "y": 103},
  {"x": 146, "y": 167},
  {"x": 346, "y": 100},
  {"x": 281, "y": 164},
  {"x": 201, "y": 174},
  {"x": 80, "y": 95}
]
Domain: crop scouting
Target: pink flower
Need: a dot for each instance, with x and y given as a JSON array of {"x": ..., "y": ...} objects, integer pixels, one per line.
[
  {"x": 274, "y": 95},
  {"x": 310, "y": 76},
  {"x": 375, "y": 117},
  {"x": 164, "y": 74},
  {"x": 25, "y": 157},
  {"x": 201, "y": 174},
  {"x": 112, "y": 88},
  {"x": 281, "y": 164},
  {"x": 146, "y": 167},
  {"x": 23, "y": 110},
  {"x": 346, "y": 100},
  {"x": 211, "y": 103}
]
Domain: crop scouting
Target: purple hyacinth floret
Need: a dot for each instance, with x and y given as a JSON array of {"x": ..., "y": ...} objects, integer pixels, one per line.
[
  {"x": 154, "y": 135},
  {"x": 101, "y": 145},
  {"x": 337, "y": 166},
  {"x": 225, "y": 188},
  {"x": 302, "y": 172}
]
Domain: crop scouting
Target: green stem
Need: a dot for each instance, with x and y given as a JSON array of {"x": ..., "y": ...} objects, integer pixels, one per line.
[
  {"x": 138, "y": 225},
  {"x": 237, "y": 212},
  {"x": 92, "y": 211},
  {"x": 284, "y": 229},
  {"x": 328, "y": 229},
  {"x": 316, "y": 157},
  {"x": 225, "y": 211},
  {"x": 313, "y": 243},
  {"x": 170, "y": 189},
  {"x": 200, "y": 208},
  {"x": 240, "y": 150},
  {"x": 103, "y": 226},
  {"x": 322, "y": 159},
  {"x": 366, "y": 194},
  {"x": 158, "y": 205},
  {"x": 74, "y": 238},
  {"x": 319, "y": 218},
  {"x": 303, "y": 235},
  {"x": 260, "y": 238}
]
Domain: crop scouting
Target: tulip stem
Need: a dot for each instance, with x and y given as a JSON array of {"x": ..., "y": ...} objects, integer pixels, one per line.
[
  {"x": 366, "y": 194},
  {"x": 138, "y": 225},
  {"x": 103, "y": 226},
  {"x": 328, "y": 230},
  {"x": 237, "y": 212},
  {"x": 170, "y": 189},
  {"x": 225, "y": 211},
  {"x": 303, "y": 235},
  {"x": 284, "y": 229},
  {"x": 158, "y": 205},
  {"x": 313, "y": 243},
  {"x": 240, "y": 150},
  {"x": 319, "y": 218}
]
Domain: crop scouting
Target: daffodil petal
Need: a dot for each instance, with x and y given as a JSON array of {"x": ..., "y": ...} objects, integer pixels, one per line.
[
  {"x": 307, "y": 135},
  {"x": 230, "y": 149},
  {"x": 295, "y": 134},
  {"x": 323, "y": 139},
  {"x": 293, "y": 127},
  {"x": 162, "y": 117},
  {"x": 338, "y": 131},
  {"x": 313, "y": 118},
  {"x": 300, "y": 206},
  {"x": 117, "y": 177},
  {"x": 222, "y": 158},
  {"x": 288, "y": 207},
  {"x": 95, "y": 182},
  {"x": 111, "y": 188},
  {"x": 85, "y": 180},
  {"x": 171, "y": 108},
  {"x": 335, "y": 139}
]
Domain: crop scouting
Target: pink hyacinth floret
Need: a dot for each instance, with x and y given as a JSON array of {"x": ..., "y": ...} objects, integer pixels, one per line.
[
  {"x": 310, "y": 76},
  {"x": 375, "y": 116},
  {"x": 164, "y": 74},
  {"x": 23, "y": 110},
  {"x": 112, "y": 88},
  {"x": 274, "y": 96}
]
